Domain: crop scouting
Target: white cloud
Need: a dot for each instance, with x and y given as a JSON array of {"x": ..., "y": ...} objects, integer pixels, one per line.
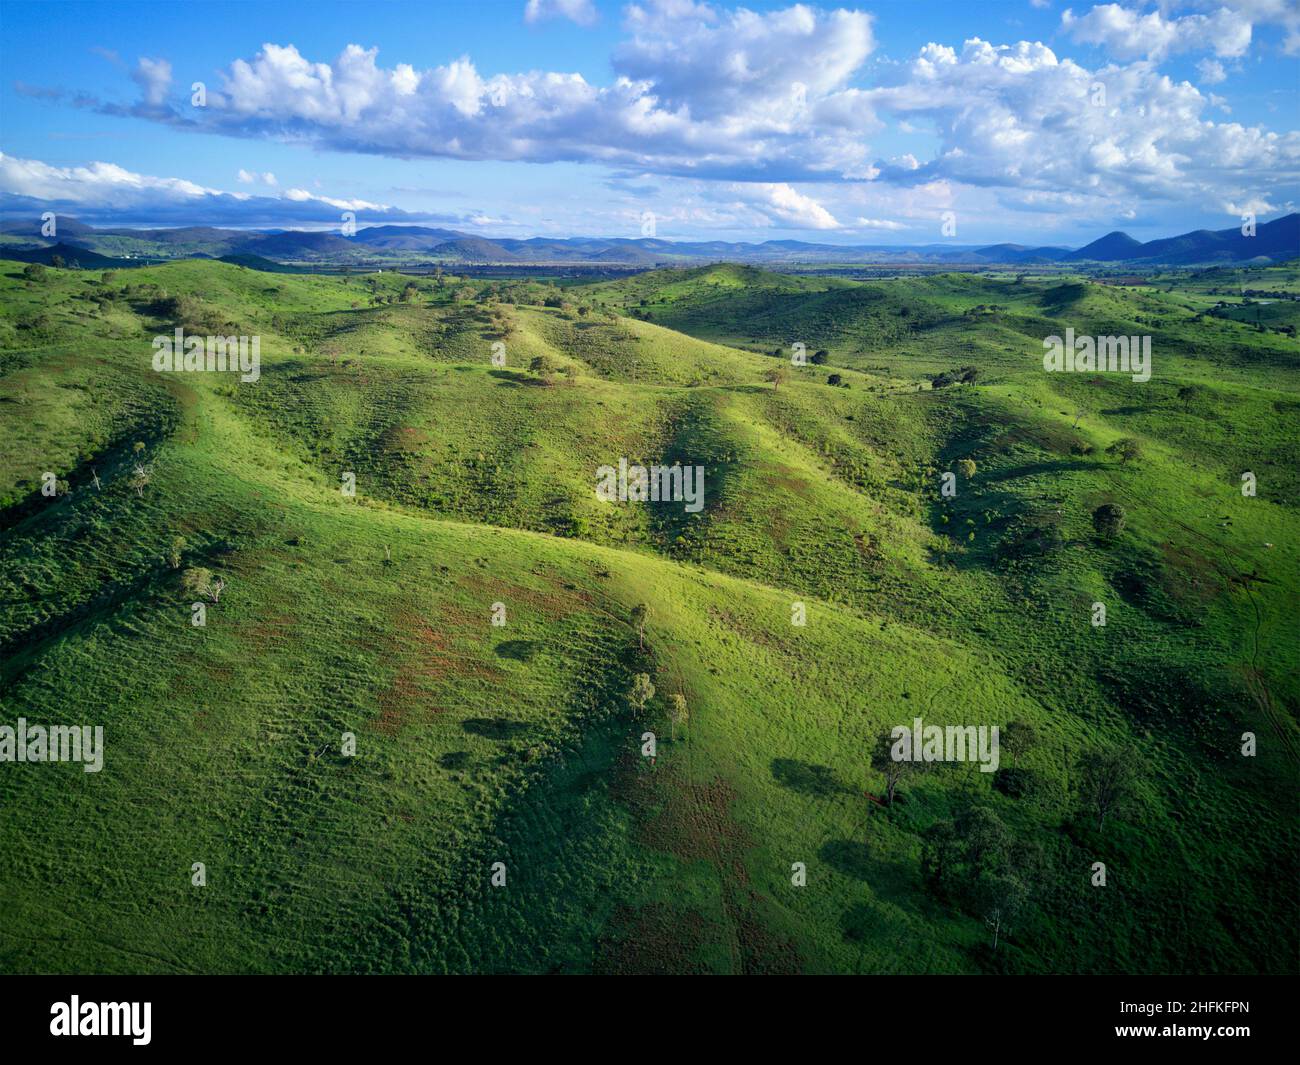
[
  {"x": 248, "y": 178},
  {"x": 583, "y": 12},
  {"x": 779, "y": 100},
  {"x": 154, "y": 76},
  {"x": 1211, "y": 71},
  {"x": 697, "y": 92},
  {"x": 1018, "y": 117},
  {"x": 1257, "y": 206},
  {"x": 877, "y": 223},
  {"x": 743, "y": 65},
  {"x": 785, "y": 205},
  {"x": 1127, "y": 34},
  {"x": 108, "y": 193}
]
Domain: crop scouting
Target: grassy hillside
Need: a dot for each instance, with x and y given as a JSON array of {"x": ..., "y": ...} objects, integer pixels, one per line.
[{"x": 372, "y": 615}]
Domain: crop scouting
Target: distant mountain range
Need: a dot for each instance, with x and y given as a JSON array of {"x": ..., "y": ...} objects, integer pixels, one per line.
[{"x": 415, "y": 245}]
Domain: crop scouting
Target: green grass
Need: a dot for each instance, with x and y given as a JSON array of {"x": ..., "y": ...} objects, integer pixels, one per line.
[{"x": 479, "y": 744}]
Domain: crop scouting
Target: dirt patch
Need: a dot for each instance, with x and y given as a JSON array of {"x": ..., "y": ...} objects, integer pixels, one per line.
[
  {"x": 653, "y": 940},
  {"x": 426, "y": 661},
  {"x": 551, "y": 605},
  {"x": 693, "y": 822}
]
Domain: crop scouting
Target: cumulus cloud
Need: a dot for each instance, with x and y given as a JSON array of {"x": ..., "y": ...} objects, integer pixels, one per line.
[
  {"x": 1127, "y": 34},
  {"x": 104, "y": 193},
  {"x": 735, "y": 95},
  {"x": 1018, "y": 117},
  {"x": 154, "y": 76},
  {"x": 1211, "y": 71},
  {"x": 787, "y": 206},
  {"x": 741, "y": 64},
  {"x": 783, "y": 101},
  {"x": 583, "y": 12}
]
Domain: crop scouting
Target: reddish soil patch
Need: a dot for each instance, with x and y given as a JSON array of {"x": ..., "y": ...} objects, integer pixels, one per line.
[
  {"x": 693, "y": 822},
  {"x": 654, "y": 940},
  {"x": 425, "y": 663}
]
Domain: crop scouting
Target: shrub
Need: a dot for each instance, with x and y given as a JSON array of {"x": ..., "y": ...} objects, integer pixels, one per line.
[{"x": 1108, "y": 519}]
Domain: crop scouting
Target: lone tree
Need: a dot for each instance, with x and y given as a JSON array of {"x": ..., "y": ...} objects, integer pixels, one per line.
[
  {"x": 677, "y": 712},
  {"x": 1126, "y": 449},
  {"x": 643, "y": 690},
  {"x": 199, "y": 581},
  {"x": 966, "y": 467},
  {"x": 638, "y": 617},
  {"x": 140, "y": 477},
  {"x": 176, "y": 551},
  {"x": 1107, "y": 780},
  {"x": 777, "y": 375},
  {"x": 543, "y": 366},
  {"x": 1017, "y": 738},
  {"x": 893, "y": 769},
  {"x": 1108, "y": 519},
  {"x": 1000, "y": 897}
]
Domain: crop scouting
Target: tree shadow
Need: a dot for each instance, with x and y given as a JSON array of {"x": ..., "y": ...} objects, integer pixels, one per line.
[
  {"x": 849, "y": 857},
  {"x": 893, "y": 881},
  {"x": 494, "y": 728},
  {"x": 518, "y": 650},
  {"x": 806, "y": 778},
  {"x": 862, "y": 922}
]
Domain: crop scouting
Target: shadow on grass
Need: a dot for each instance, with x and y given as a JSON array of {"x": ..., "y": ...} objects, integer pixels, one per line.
[
  {"x": 518, "y": 650},
  {"x": 495, "y": 728},
  {"x": 806, "y": 778}
]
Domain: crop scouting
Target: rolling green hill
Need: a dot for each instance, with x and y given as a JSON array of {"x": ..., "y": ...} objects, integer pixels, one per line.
[{"x": 477, "y": 743}]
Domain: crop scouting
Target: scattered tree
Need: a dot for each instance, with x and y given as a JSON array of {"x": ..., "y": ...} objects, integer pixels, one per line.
[
  {"x": 1108, "y": 519},
  {"x": 543, "y": 366},
  {"x": 640, "y": 613},
  {"x": 966, "y": 467},
  {"x": 1126, "y": 449},
  {"x": 777, "y": 375},
  {"x": 1017, "y": 738},
  {"x": 643, "y": 690},
  {"x": 199, "y": 581},
  {"x": 894, "y": 770},
  {"x": 999, "y": 898},
  {"x": 1107, "y": 780},
  {"x": 677, "y": 712},
  {"x": 140, "y": 477}
]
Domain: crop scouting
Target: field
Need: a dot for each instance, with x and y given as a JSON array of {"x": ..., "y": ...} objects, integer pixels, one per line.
[{"x": 486, "y": 751}]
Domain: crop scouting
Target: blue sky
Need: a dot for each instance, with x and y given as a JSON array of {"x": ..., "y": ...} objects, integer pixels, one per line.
[{"x": 1024, "y": 120}]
